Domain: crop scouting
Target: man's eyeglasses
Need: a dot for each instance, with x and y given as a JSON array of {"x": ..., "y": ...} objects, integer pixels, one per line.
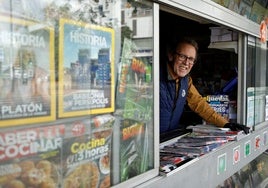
[{"x": 182, "y": 57}]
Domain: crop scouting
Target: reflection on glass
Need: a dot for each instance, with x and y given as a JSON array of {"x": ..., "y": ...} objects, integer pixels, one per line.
[{"x": 95, "y": 78}]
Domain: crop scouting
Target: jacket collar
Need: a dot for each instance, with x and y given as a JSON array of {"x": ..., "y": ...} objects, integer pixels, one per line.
[{"x": 171, "y": 74}]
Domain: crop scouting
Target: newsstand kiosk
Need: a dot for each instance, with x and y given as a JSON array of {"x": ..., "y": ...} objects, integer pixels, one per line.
[{"x": 79, "y": 92}]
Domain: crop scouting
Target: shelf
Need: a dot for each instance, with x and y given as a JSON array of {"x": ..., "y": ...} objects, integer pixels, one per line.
[
  {"x": 213, "y": 168},
  {"x": 228, "y": 46}
]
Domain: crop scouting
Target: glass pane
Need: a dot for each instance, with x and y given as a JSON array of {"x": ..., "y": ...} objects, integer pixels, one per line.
[
  {"x": 257, "y": 90},
  {"x": 76, "y": 92},
  {"x": 134, "y": 93}
]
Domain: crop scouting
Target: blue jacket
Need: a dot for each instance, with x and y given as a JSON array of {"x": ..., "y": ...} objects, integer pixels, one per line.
[{"x": 170, "y": 108}]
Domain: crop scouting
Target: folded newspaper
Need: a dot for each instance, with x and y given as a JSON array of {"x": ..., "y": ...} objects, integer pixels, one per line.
[{"x": 213, "y": 131}]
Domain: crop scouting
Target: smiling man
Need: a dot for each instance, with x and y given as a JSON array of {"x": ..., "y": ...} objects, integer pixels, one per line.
[{"x": 177, "y": 90}]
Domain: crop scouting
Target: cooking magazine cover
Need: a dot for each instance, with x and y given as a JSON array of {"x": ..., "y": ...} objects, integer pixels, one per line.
[
  {"x": 134, "y": 150},
  {"x": 86, "y": 69},
  {"x": 86, "y": 162},
  {"x": 31, "y": 157},
  {"x": 27, "y": 80}
]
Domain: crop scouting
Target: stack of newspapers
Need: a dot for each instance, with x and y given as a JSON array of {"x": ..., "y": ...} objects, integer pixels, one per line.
[
  {"x": 201, "y": 140},
  {"x": 215, "y": 132}
]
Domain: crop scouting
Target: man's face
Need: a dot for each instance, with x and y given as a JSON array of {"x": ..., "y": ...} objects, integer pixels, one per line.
[{"x": 183, "y": 59}]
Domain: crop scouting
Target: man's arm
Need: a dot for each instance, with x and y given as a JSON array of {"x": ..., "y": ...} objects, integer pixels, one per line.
[{"x": 200, "y": 106}]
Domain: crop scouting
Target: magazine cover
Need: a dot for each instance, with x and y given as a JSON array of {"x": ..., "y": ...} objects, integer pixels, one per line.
[
  {"x": 256, "y": 102},
  {"x": 86, "y": 69},
  {"x": 220, "y": 103},
  {"x": 27, "y": 80},
  {"x": 245, "y": 9},
  {"x": 257, "y": 12},
  {"x": 134, "y": 151},
  {"x": 31, "y": 157},
  {"x": 169, "y": 162},
  {"x": 250, "y": 106},
  {"x": 135, "y": 88},
  {"x": 86, "y": 157},
  {"x": 248, "y": 2},
  {"x": 139, "y": 91},
  {"x": 123, "y": 77}
]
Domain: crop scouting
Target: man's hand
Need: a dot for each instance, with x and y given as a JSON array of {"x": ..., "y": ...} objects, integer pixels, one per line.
[{"x": 237, "y": 127}]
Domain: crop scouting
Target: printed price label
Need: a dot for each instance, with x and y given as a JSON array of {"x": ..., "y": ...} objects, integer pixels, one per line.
[{"x": 78, "y": 129}]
